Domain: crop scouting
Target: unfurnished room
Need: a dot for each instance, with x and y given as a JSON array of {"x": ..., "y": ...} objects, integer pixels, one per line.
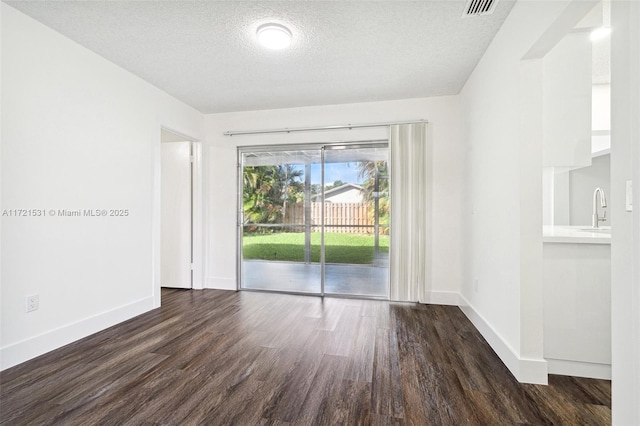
[{"x": 320, "y": 212}]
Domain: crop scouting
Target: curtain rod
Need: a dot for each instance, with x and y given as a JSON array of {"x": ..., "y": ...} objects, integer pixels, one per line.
[{"x": 321, "y": 128}]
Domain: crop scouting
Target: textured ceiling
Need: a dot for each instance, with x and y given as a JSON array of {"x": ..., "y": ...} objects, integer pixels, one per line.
[{"x": 205, "y": 54}]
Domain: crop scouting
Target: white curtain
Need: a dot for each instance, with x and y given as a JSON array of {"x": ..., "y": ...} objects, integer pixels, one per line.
[{"x": 410, "y": 240}]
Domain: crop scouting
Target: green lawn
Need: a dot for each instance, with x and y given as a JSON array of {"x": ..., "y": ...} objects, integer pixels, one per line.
[{"x": 339, "y": 248}]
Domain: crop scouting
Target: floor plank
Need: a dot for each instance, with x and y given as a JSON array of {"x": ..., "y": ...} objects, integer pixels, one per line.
[{"x": 245, "y": 358}]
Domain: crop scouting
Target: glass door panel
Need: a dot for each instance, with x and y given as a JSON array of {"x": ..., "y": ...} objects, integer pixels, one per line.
[
  {"x": 280, "y": 236},
  {"x": 315, "y": 219},
  {"x": 356, "y": 219}
]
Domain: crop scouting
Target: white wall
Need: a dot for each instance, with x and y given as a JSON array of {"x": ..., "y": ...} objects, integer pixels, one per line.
[
  {"x": 77, "y": 133},
  {"x": 443, "y": 114},
  {"x": 582, "y": 183},
  {"x": 502, "y": 217},
  {"x": 601, "y": 107},
  {"x": 601, "y": 119},
  {"x": 625, "y": 237}
]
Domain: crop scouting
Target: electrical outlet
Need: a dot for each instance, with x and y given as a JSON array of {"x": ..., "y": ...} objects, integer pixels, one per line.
[
  {"x": 475, "y": 284},
  {"x": 33, "y": 303}
]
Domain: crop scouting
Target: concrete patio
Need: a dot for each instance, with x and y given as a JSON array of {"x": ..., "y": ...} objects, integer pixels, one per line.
[{"x": 298, "y": 277}]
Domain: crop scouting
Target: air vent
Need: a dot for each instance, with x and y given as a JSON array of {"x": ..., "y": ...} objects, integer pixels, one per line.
[{"x": 479, "y": 7}]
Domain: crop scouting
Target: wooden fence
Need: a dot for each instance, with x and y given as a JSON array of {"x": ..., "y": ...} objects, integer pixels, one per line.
[{"x": 349, "y": 217}]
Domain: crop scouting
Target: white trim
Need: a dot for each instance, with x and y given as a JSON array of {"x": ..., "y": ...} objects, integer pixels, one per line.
[
  {"x": 221, "y": 283},
  {"x": 449, "y": 298},
  {"x": 524, "y": 370},
  {"x": 197, "y": 237},
  {"x": 27, "y": 349},
  {"x": 579, "y": 369},
  {"x": 155, "y": 219}
]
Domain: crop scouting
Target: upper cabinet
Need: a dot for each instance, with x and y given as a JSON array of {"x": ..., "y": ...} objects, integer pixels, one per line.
[{"x": 567, "y": 103}]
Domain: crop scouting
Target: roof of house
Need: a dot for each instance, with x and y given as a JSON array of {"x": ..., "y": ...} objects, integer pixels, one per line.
[
  {"x": 338, "y": 190},
  {"x": 341, "y": 188}
]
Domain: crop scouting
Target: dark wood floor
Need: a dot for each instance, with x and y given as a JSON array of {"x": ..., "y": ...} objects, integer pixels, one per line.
[{"x": 217, "y": 357}]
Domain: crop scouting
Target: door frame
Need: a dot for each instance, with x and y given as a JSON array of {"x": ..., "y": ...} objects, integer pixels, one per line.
[
  {"x": 320, "y": 146},
  {"x": 197, "y": 240}
]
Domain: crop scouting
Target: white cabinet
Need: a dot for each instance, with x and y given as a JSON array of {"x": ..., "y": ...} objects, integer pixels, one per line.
[
  {"x": 577, "y": 308},
  {"x": 567, "y": 91}
]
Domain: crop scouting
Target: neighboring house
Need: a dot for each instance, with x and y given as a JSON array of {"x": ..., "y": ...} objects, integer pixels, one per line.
[{"x": 347, "y": 193}]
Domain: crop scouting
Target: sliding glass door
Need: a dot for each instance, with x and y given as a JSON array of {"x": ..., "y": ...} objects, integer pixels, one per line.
[
  {"x": 356, "y": 219},
  {"x": 280, "y": 247},
  {"x": 314, "y": 219}
]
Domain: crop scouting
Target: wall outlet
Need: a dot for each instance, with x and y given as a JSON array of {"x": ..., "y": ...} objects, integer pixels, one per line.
[
  {"x": 475, "y": 285},
  {"x": 33, "y": 303}
]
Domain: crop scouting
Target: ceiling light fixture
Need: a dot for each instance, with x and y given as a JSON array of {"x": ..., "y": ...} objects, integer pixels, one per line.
[
  {"x": 274, "y": 36},
  {"x": 600, "y": 33}
]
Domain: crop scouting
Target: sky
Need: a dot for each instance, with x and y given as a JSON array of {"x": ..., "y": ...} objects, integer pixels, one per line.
[{"x": 346, "y": 172}]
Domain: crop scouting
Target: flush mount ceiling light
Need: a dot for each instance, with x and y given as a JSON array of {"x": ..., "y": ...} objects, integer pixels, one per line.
[
  {"x": 274, "y": 36},
  {"x": 600, "y": 33}
]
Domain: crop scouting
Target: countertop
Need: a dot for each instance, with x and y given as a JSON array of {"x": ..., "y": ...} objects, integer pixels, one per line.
[{"x": 576, "y": 234}]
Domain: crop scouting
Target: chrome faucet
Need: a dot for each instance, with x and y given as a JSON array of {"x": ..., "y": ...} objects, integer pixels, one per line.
[{"x": 603, "y": 203}]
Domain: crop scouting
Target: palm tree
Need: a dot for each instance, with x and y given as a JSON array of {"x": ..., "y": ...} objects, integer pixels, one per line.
[
  {"x": 268, "y": 189},
  {"x": 375, "y": 175},
  {"x": 292, "y": 185}
]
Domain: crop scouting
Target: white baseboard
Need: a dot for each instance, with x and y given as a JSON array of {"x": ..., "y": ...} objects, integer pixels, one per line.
[
  {"x": 27, "y": 349},
  {"x": 524, "y": 370},
  {"x": 221, "y": 283},
  {"x": 450, "y": 298},
  {"x": 579, "y": 369}
]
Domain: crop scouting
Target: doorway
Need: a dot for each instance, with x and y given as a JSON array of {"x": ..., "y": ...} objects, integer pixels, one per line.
[
  {"x": 314, "y": 219},
  {"x": 176, "y": 215}
]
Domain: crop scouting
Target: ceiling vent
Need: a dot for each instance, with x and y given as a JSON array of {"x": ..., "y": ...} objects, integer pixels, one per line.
[{"x": 479, "y": 8}]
